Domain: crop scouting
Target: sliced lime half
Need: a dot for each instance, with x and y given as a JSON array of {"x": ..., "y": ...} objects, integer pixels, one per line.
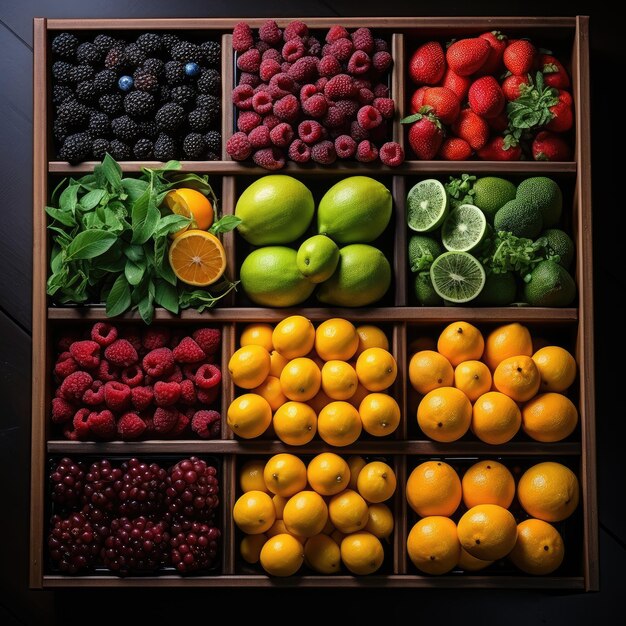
[
  {"x": 457, "y": 277},
  {"x": 464, "y": 228},
  {"x": 426, "y": 206}
]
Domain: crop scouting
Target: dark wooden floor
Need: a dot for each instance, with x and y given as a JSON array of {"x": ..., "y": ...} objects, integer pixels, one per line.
[{"x": 18, "y": 605}]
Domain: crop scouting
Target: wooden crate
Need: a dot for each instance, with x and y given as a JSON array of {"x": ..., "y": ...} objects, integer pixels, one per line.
[{"x": 401, "y": 318}]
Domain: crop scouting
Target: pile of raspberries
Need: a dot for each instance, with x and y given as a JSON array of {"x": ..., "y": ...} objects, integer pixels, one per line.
[
  {"x": 117, "y": 383},
  {"x": 305, "y": 100}
]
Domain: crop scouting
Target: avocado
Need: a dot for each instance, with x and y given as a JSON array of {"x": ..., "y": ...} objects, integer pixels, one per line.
[
  {"x": 544, "y": 194},
  {"x": 550, "y": 285},
  {"x": 520, "y": 218}
]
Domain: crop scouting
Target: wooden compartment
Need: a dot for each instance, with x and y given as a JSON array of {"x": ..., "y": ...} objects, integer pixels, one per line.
[{"x": 397, "y": 313}]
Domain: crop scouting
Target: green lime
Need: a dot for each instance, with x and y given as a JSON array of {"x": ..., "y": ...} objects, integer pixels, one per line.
[
  {"x": 426, "y": 206},
  {"x": 560, "y": 243},
  {"x": 425, "y": 292},
  {"x": 355, "y": 210},
  {"x": 464, "y": 228},
  {"x": 317, "y": 258},
  {"x": 549, "y": 285},
  {"x": 457, "y": 277},
  {"x": 544, "y": 194},
  {"x": 492, "y": 193},
  {"x": 520, "y": 218},
  {"x": 275, "y": 209},
  {"x": 499, "y": 290},
  {"x": 423, "y": 251}
]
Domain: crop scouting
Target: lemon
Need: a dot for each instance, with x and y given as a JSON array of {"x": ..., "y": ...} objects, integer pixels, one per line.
[
  {"x": 339, "y": 380},
  {"x": 328, "y": 474},
  {"x": 362, "y": 553},
  {"x": 282, "y": 555},
  {"x": 249, "y": 415},
  {"x": 278, "y": 528},
  {"x": 249, "y": 366},
  {"x": 254, "y": 512},
  {"x": 251, "y": 476},
  {"x": 336, "y": 339},
  {"x": 305, "y": 514},
  {"x": 355, "y": 464},
  {"x": 339, "y": 424},
  {"x": 322, "y": 554},
  {"x": 285, "y": 475},
  {"x": 277, "y": 363},
  {"x": 301, "y": 379},
  {"x": 371, "y": 337},
  {"x": 293, "y": 337},
  {"x": 348, "y": 511},
  {"x": 380, "y": 522},
  {"x": 376, "y": 369},
  {"x": 257, "y": 335},
  {"x": 295, "y": 423},
  {"x": 376, "y": 482},
  {"x": 271, "y": 390},
  {"x": 250, "y": 547},
  {"x": 317, "y": 258},
  {"x": 380, "y": 414}
]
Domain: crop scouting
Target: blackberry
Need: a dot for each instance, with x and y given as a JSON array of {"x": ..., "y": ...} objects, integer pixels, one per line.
[
  {"x": 115, "y": 59},
  {"x": 105, "y": 81},
  {"x": 86, "y": 91},
  {"x": 104, "y": 43},
  {"x": 211, "y": 156},
  {"x": 62, "y": 72},
  {"x": 168, "y": 40},
  {"x": 99, "y": 148},
  {"x": 147, "y": 128},
  {"x": 64, "y": 45},
  {"x": 124, "y": 128},
  {"x": 183, "y": 95},
  {"x": 134, "y": 54},
  {"x": 165, "y": 94},
  {"x": 206, "y": 101},
  {"x": 154, "y": 66},
  {"x": 138, "y": 103},
  {"x": 174, "y": 72},
  {"x": 200, "y": 119},
  {"x": 119, "y": 150},
  {"x": 170, "y": 116},
  {"x": 209, "y": 82},
  {"x": 143, "y": 149},
  {"x": 75, "y": 148},
  {"x": 60, "y": 131},
  {"x": 164, "y": 148},
  {"x": 145, "y": 81},
  {"x": 60, "y": 93},
  {"x": 212, "y": 52},
  {"x": 149, "y": 42},
  {"x": 194, "y": 145},
  {"x": 185, "y": 52},
  {"x": 72, "y": 113},
  {"x": 82, "y": 72},
  {"x": 110, "y": 103},
  {"x": 88, "y": 53},
  {"x": 99, "y": 125},
  {"x": 213, "y": 141}
]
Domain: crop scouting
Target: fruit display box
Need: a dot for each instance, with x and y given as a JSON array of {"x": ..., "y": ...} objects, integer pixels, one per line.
[{"x": 401, "y": 319}]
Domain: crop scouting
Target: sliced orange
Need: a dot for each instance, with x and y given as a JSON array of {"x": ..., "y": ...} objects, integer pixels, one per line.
[
  {"x": 197, "y": 258},
  {"x": 193, "y": 204}
]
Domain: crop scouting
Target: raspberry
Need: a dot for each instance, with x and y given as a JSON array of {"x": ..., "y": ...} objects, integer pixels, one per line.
[
  {"x": 95, "y": 394},
  {"x": 180, "y": 427},
  {"x": 382, "y": 61},
  {"x": 345, "y": 146},
  {"x": 455, "y": 149},
  {"x": 269, "y": 68},
  {"x": 366, "y": 96},
  {"x": 103, "y": 334},
  {"x": 208, "y": 376},
  {"x": 362, "y": 83},
  {"x": 242, "y": 97},
  {"x": 339, "y": 87},
  {"x": 249, "y": 61},
  {"x": 252, "y": 80},
  {"x": 75, "y": 385},
  {"x": 385, "y": 106},
  {"x": 106, "y": 371},
  {"x": 141, "y": 397},
  {"x": 116, "y": 395},
  {"x": 270, "y": 33},
  {"x": 347, "y": 107},
  {"x": 67, "y": 481},
  {"x": 165, "y": 419},
  {"x": 102, "y": 424},
  {"x": 247, "y": 120},
  {"x": 323, "y": 152},
  {"x": 295, "y": 29},
  {"x": 281, "y": 84},
  {"x": 65, "y": 366},
  {"x": 320, "y": 83},
  {"x": 381, "y": 91},
  {"x": 304, "y": 69},
  {"x": 243, "y": 39},
  {"x": 287, "y": 108},
  {"x": 64, "y": 342},
  {"x": 391, "y": 154},
  {"x": 293, "y": 50},
  {"x": 238, "y": 147},
  {"x": 62, "y": 411},
  {"x": 166, "y": 394},
  {"x": 368, "y": 117},
  {"x": 285, "y": 66},
  {"x": 262, "y": 46},
  {"x": 366, "y": 152},
  {"x": 188, "y": 392},
  {"x": 188, "y": 351},
  {"x": 86, "y": 353},
  {"x": 81, "y": 428},
  {"x": 315, "y": 106},
  {"x": 329, "y": 66},
  {"x": 299, "y": 151},
  {"x": 380, "y": 45},
  {"x": 270, "y": 121},
  {"x": 207, "y": 424},
  {"x": 208, "y": 396},
  {"x": 133, "y": 338},
  {"x": 307, "y": 91},
  {"x": 342, "y": 49},
  {"x": 158, "y": 363},
  {"x": 314, "y": 47},
  {"x": 363, "y": 40},
  {"x": 121, "y": 353},
  {"x": 281, "y": 135},
  {"x": 157, "y": 337},
  {"x": 272, "y": 54},
  {"x": 132, "y": 376},
  {"x": 130, "y": 426},
  {"x": 208, "y": 339},
  {"x": 359, "y": 63},
  {"x": 259, "y": 137},
  {"x": 336, "y": 32},
  {"x": 334, "y": 117},
  {"x": 310, "y": 131}
]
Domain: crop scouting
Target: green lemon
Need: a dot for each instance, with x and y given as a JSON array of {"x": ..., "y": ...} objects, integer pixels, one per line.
[
  {"x": 317, "y": 258},
  {"x": 270, "y": 277},
  {"x": 356, "y": 209},
  {"x": 274, "y": 209}
]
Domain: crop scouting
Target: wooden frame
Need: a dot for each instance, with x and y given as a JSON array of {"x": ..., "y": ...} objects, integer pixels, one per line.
[{"x": 576, "y": 320}]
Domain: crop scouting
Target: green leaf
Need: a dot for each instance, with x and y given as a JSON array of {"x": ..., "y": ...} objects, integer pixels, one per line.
[
  {"x": 118, "y": 299},
  {"x": 68, "y": 198},
  {"x": 171, "y": 224},
  {"x": 166, "y": 295},
  {"x": 411, "y": 118},
  {"x": 134, "y": 272},
  {"x": 91, "y": 200},
  {"x": 134, "y": 187},
  {"x": 65, "y": 217},
  {"x": 89, "y": 244},
  {"x": 165, "y": 271},
  {"x": 145, "y": 217},
  {"x": 201, "y": 299},
  {"x": 134, "y": 253},
  {"x": 225, "y": 224},
  {"x": 112, "y": 172}
]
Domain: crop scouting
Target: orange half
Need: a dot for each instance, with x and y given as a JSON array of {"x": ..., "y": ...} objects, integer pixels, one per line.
[
  {"x": 192, "y": 204},
  {"x": 197, "y": 258}
]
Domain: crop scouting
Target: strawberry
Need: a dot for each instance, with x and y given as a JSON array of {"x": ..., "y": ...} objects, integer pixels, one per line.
[
  {"x": 497, "y": 42},
  {"x": 495, "y": 151},
  {"x": 550, "y": 147},
  {"x": 467, "y": 56},
  {"x": 499, "y": 123},
  {"x": 511, "y": 86},
  {"x": 459, "y": 84},
  {"x": 472, "y": 128},
  {"x": 417, "y": 99},
  {"x": 563, "y": 116},
  {"x": 566, "y": 96},
  {"x": 444, "y": 103},
  {"x": 425, "y": 135},
  {"x": 455, "y": 149},
  {"x": 485, "y": 97},
  {"x": 554, "y": 74},
  {"x": 519, "y": 57},
  {"x": 427, "y": 64}
]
